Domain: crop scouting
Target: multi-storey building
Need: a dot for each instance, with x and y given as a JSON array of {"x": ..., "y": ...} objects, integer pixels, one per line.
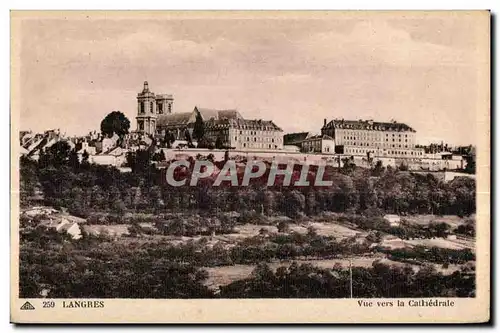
[
  {"x": 155, "y": 118},
  {"x": 322, "y": 144},
  {"x": 382, "y": 139},
  {"x": 239, "y": 133}
]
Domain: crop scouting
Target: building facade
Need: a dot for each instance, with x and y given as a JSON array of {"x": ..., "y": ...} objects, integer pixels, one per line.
[
  {"x": 150, "y": 107},
  {"x": 321, "y": 144},
  {"x": 244, "y": 134},
  {"x": 155, "y": 118},
  {"x": 369, "y": 138}
]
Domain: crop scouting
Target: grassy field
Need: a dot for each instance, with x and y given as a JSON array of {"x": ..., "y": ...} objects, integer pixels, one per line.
[{"x": 223, "y": 275}]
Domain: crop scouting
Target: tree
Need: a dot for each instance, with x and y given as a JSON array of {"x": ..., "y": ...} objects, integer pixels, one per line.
[
  {"x": 159, "y": 156},
  {"x": 293, "y": 203},
  {"x": 85, "y": 158},
  {"x": 168, "y": 139},
  {"x": 471, "y": 164},
  {"x": 348, "y": 165},
  {"x": 139, "y": 161},
  {"x": 188, "y": 138},
  {"x": 199, "y": 127},
  {"x": 205, "y": 143},
  {"x": 115, "y": 123},
  {"x": 74, "y": 161},
  {"x": 378, "y": 170},
  {"x": 58, "y": 153},
  {"x": 283, "y": 226}
]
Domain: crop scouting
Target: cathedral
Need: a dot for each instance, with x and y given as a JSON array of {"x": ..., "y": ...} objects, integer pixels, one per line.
[
  {"x": 155, "y": 118},
  {"x": 151, "y": 108}
]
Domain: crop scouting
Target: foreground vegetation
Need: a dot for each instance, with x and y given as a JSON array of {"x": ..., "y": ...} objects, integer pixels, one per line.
[
  {"x": 97, "y": 266},
  {"x": 84, "y": 188}
]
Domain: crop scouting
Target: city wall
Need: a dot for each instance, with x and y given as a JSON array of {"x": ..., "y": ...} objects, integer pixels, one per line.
[{"x": 432, "y": 164}]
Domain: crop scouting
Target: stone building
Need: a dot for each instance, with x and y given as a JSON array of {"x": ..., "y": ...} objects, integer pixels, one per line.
[
  {"x": 155, "y": 118},
  {"x": 150, "y": 107},
  {"x": 239, "y": 133},
  {"x": 322, "y": 144},
  {"x": 366, "y": 137}
]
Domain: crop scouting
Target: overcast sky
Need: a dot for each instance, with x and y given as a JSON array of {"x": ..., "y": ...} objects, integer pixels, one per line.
[{"x": 295, "y": 71}]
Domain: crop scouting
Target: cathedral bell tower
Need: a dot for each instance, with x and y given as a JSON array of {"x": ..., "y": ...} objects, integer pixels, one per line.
[{"x": 146, "y": 111}]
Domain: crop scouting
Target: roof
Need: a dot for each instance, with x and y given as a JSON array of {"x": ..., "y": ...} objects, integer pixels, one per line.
[
  {"x": 368, "y": 125},
  {"x": 172, "y": 119},
  {"x": 257, "y": 124},
  {"x": 291, "y": 138},
  {"x": 315, "y": 137},
  {"x": 208, "y": 114}
]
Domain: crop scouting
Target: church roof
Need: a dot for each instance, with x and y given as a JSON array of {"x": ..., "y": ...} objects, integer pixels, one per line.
[
  {"x": 181, "y": 118},
  {"x": 208, "y": 114}
]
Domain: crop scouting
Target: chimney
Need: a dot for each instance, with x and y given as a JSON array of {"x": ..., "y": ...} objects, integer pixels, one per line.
[{"x": 324, "y": 122}]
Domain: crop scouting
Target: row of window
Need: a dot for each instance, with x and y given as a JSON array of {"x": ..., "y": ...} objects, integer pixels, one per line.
[
  {"x": 364, "y": 139},
  {"x": 159, "y": 107},
  {"x": 376, "y": 144},
  {"x": 266, "y": 131},
  {"x": 390, "y": 152},
  {"x": 259, "y": 145},
  {"x": 370, "y": 134},
  {"x": 255, "y": 139}
]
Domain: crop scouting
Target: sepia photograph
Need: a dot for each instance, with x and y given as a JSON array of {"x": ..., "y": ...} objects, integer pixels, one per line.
[{"x": 228, "y": 160}]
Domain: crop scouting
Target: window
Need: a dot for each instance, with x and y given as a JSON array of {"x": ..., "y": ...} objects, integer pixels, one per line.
[
  {"x": 254, "y": 139},
  {"x": 235, "y": 138},
  {"x": 169, "y": 107},
  {"x": 244, "y": 145},
  {"x": 241, "y": 132},
  {"x": 159, "y": 107},
  {"x": 141, "y": 126},
  {"x": 141, "y": 107},
  {"x": 151, "y": 107}
]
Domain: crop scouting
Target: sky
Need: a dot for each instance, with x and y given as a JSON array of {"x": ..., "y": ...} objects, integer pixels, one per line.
[{"x": 293, "y": 69}]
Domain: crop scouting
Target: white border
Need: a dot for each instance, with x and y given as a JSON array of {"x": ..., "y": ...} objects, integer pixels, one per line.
[{"x": 185, "y": 4}]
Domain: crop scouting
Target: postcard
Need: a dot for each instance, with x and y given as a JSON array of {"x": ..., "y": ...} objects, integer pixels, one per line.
[{"x": 250, "y": 166}]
